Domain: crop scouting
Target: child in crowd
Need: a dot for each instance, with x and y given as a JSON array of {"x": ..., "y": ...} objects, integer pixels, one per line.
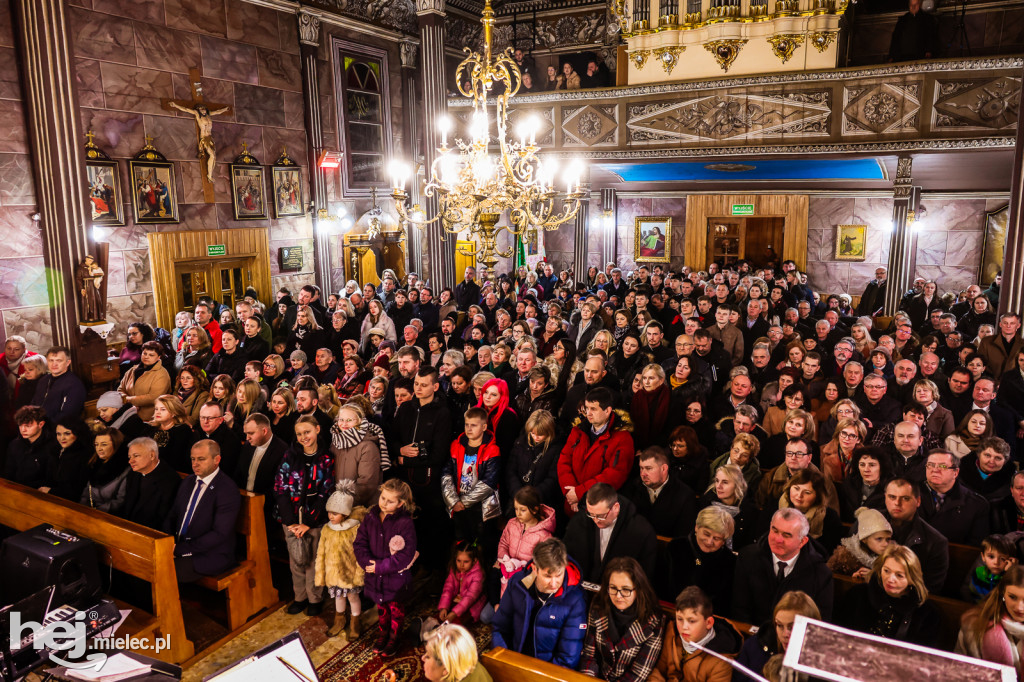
[
  {"x": 462, "y": 598},
  {"x": 470, "y": 480},
  {"x": 695, "y": 624},
  {"x": 385, "y": 548},
  {"x": 997, "y": 556},
  {"x": 533, "y": 523},
  {"x": 856, "y": 554},
  {"x": 336, "y": 565}
]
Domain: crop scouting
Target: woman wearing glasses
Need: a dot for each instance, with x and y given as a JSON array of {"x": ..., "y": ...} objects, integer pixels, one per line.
[
  {"x": 625, "y": 626},
  {"x": 837, "y": 454}
]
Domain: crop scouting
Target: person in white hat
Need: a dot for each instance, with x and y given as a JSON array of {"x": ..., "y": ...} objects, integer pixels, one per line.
[
  {"x": 336, "y": 565},
  {"x": 856, "y": 554}
]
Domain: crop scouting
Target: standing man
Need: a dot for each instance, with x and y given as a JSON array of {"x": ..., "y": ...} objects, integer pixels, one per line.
[
  {"x": 60, "y": 393},
  {"x": 204, "y": 318},
  {"x": 873, "y": 298},
  {"x": 467, "y": 292}
]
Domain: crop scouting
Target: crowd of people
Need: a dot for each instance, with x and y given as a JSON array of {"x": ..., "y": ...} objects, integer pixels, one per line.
[{"x": 524, "y": 440}]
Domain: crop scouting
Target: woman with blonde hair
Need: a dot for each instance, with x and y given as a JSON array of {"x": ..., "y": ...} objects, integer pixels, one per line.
[
  {"x": 172, "y": 433},
  {"x": 939, "y": 420},
  {"x": 248, "y": 400},
  {"x": 728, "y": 491},
  {"x": 743, "y": 453},
  {"x": 705, "y": 558},
  {"x": 837, "y": 454},
  {"x": 451, "y": 656},
  {"x": 862, "y": 339},
  {"x": 195, "y": 349},
  {"x": 222, "y": 389},
  {"x": 192, "y": 389},
  {"x": 893, "y": 602},
  {"x": 773, "y": 637},
  {"x": 329, "y": 403},
  {"x": 603, "y": 341},
  {"x": 306, "y": 334},
  {"x": 479, "y": 380},
  {"x": 843, "y": 409},
  {"x": 995, "y": 631},
  {"x": 534, "y": 461}
]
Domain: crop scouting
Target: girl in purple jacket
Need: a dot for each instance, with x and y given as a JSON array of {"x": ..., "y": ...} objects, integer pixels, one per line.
[{"x": 385, "y": 547}]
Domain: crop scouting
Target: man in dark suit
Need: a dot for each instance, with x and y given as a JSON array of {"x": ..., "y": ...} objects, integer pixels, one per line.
[
  {"x": 203, "y": 517},
  {"x": 629, "y": 534},
  {"x": 1004, "y": 419},
  {"x": 779, "y": 562},
  {"x": 663, "y": 499},
  {"x": 259, "y": 458},
  {"x": 211, "y": 425},
  {"x": 151, "y": 485}
]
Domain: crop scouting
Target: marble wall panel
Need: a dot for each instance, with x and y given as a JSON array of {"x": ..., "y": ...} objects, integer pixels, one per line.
[
  {"x": 7, "y": 26},
  {"x": 276, "y": 140},
  {"x": 215, "y": 91},
  {"x": 129, "y": 235},
  {"x": 280, "y": 70},
  {"x": 293, "y": 113},
  {"x": 10, "y": 88},
  {"x": 961, "y": 214},
  {"x": 31, "y": 323},
  {"x": 137, "y": 271},
  {"x": 230, "y": 61},
  {"x": 254, "y": 24},
  {"x": 226, "y": 218},
  {"x": 119, "y": 133},
  {"x": 258, "y": 105},
  {"x": 123, "y": 310},
  {"x": 949, "y": 278},
  {"x": 829, "y": 277},
  {"x": 875, "y": 212},
  {"x": 931, "y": 247},
  {"x": 229, "y": 138},
  {"x": 13, "y": 134},
  {"x": 291, "y": 229},
  {"x": 198, "y": 217},
  {"x": 202, "y": 16},
  {"x": 130, "y": 88},
  {"x": 90, "y": 85},
  {"x": 103, "y": 37},
  {"x": 21, "y": 235},
  {"x": 824, "y": 213},
  {"x": 291, "y": 281},
  {"x": 192, "y": 182},
  {"x": 115, "y": 275},
  {"x": 22, "y": 282},
  {"x": 860, "y": 275},
  {"x": 288, "y": 32},
  {"x": 174, "y": 137},
  {"x": 16, "y": 185},
  {"x": 159, "y": 47},
  {"x": 964, "y": 248},
  {"x": 150, "y": 11},
  {"x": 815, "y": 239}
]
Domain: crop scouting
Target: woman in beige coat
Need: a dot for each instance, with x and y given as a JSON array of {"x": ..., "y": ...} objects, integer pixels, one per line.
[
  {"x": 360, "y": 452},
  {"x": 146, "y": 381}
]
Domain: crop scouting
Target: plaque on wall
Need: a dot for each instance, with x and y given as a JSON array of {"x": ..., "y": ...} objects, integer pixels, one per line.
[{"x": 290, "y": 258}]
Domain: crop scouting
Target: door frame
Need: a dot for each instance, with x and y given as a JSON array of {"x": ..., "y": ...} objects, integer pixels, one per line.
[
  {"x": 168, "y": 249},
  {"x": 792, "y": 207}
]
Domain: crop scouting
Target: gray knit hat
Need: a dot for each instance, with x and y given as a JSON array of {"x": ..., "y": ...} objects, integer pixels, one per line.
[
  {"x": 343, "y": 497},
  {"x": 110, "y": 399},
  {"x": 869, "y": 522}
]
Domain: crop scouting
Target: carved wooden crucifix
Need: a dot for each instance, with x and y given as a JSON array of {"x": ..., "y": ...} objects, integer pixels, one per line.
[{"x": 203, "y": 112}]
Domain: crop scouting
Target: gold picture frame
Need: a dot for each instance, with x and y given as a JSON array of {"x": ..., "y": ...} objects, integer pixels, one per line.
[
  {"x": 851, "y": 242},
  {"x": 652, "y": 241}
]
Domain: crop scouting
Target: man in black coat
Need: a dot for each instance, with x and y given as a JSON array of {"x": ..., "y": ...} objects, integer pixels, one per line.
[
  {"x": 873, "y": 297},
  {"x": 779, "y": 562},
  {"x": 595, "y": 373},
  {"x": 664, "y": 500},
  {"x": 31, "y": 457},
  {"x": 259, "y": 458},
  {"x": 960, "y": 514},
  {"x": 211, "y": 425},
  {"x": 902, "y": 502},
  {"x": 609, "y": 529},
  {"x": 467, "y": 292},
  {"x": 876, "y": 408},
  {"x": 324, "y": 369},
  {"x": 204, "y": 517},
  {"x": 1004, "y": 419},
  {"x": 150, "y": 487},
  {"x": 229, "y": 359}
]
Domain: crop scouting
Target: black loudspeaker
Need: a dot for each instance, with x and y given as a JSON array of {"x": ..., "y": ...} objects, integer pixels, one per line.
[{"x": 44, "y": 556}]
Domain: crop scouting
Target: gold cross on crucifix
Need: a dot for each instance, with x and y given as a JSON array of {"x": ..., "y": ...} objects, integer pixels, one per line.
[{"x": 203, "y": 112}]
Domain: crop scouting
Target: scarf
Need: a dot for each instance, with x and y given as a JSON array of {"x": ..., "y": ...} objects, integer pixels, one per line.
[
  {"x": 122, "y": 415},
  {"x": 689, "y": 647},
  {"x": 141, "y": 368},
  {"x": 815, "y": 516},
  {"x": 619, "y": 622},
  {"x": 676, "y": 383},
  {"x": 183, "y": 394},
  {"x": 650, "y": 409},
  {"x": 618, "y": 333},
  {"x": 302, "y": 330},
  {"x": 732, "y": 509},
  {"x": 343, "y": 439},
  {"x": 970, "y": 440}
]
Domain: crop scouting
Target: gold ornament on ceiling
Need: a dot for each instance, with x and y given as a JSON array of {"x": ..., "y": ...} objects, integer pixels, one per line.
[
  {"x": 785, "y": 44},
  {"x": 822, "y": 39},
  {"x": 669, "y": 56},
  {"x": 725, "y": 51},
  {"x": 639, "y": 58}
]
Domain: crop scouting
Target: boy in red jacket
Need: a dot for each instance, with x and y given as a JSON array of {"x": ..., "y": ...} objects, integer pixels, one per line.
[{"x": 469, "y": 482}]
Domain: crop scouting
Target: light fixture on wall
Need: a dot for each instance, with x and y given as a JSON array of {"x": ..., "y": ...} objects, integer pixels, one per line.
[
  {"x": 329, "y": 160},
  {"x": 474, "y": 188}
]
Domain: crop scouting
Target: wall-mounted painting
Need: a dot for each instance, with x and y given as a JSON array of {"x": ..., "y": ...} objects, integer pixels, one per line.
[
  {"x": 851, "y": 242},
  {"x": 653, "y": 239},
  {"x": 248, "y": 187},
  {"x": 104, "y": 193},
  {"x": 153, "y": 195},
  {"x": 993, "y": 251}
]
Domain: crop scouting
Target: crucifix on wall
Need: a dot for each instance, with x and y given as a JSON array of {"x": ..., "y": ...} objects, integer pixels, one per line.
[{"x": 203, "y": 112}]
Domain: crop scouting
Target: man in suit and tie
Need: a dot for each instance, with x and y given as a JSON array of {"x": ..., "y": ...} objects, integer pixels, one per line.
[
  {"x": 203, "y": 517},
  {"x": 259, "y": 459}
]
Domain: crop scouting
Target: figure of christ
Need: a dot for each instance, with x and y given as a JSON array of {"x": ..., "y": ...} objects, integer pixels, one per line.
[{"x": 204, "y": 122}]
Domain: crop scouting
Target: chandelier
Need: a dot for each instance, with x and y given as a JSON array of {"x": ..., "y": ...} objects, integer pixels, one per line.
[{"x": 474, "y": 187}]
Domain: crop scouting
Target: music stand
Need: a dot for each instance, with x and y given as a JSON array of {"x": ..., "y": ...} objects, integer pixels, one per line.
[
  {"x": 32, "y": 608},
  {"x": 285, "y": 659}
]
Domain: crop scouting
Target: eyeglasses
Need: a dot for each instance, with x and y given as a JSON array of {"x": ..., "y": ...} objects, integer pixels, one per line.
[
  {"x": 795, "y": 453},
  {"x": 935, "y": 466},
  {"x": 625, "y": 592},
  {"x": 599, "y": 517},
  {"x": 847, "y": 434},
  {"x": 209, "y": 419}
]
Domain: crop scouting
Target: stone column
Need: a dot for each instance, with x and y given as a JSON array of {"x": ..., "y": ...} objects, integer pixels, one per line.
[
  {"x": 58, "y": 157},
  {"x": 903, "y": 242},
  {"x": 608, "y": 246},
  {"x": 440, "y": 247},
  {"x": 1011, "y": 298},
  {"x": 413, "y": 133},
  {"x": 309, "y": 44},
  {"x": 581, "y": 236}
]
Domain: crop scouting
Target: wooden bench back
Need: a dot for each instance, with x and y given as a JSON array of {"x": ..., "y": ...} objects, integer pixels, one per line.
[
  {"x": 131, "y": 548},
  {"x": 505, "y": 665}
]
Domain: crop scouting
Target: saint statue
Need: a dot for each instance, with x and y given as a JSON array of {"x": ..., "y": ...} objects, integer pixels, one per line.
[
  {"x": 89, "y": 282},
  {"x": 204, "y": 121}
]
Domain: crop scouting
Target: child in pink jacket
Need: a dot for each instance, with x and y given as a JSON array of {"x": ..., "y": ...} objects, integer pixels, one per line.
[
  {"x": 534, "y": 522},
  {"x": 462, "y": 598}
]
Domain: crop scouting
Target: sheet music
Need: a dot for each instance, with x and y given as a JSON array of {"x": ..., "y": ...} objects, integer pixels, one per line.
[{"x": 267, "y": 668}]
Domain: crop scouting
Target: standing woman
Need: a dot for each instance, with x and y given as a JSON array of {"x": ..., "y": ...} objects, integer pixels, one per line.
[
  {"x": 502, "y": 420},
  {"x": 534, "y": 461},
  {"x": 995, "y": 630},
  {"x": 172, "y": 433},
  {"x": 304, "y": 481},
  {"x": 252, "y": 345},
  {"x": 145, "y": 382},
  {"x": 893, "y": 602},
  {"x": 357, "y": 445},
  {"x": 624, "y": 626},
  {"x": 306, "y": 334},
  {"x": 375, "y": 318},
  {"x": 196, "y": 350},
  {"x": 108, "y": 472},
  {"x": 628, "y": 359},
  {"x": 248, "y": 400},
  {"x": 564, "y": 367},
  {"x": 192, "y": 390},
  {"x": 649, "y": 408},
  {"x": 282, "y": 414}
]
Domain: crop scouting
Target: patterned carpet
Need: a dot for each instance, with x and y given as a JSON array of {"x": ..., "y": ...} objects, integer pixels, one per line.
[{"x": 357, "y": 662}]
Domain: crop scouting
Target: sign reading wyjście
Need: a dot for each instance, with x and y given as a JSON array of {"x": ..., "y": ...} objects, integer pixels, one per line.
[
  {"x": 743, "y": 209},
  {"x": 216, "y": 250}
]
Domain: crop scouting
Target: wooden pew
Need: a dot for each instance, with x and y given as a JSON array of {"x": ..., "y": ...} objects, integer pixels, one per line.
[
  {"x": 961, "y": 559},
  {"x": 508, "y": 666},
  {"x": 129, "y": 547},
  {"x": 248, "y": 585}
]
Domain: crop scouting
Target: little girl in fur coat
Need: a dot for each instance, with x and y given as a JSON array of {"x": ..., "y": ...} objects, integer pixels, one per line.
[{"x": 336, "y": 565}]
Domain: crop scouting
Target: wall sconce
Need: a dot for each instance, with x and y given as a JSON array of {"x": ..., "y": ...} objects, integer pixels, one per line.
[{"x": 328, "y": 160}]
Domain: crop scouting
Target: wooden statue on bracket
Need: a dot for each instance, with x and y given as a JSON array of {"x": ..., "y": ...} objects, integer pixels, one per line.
[
  {"x": 203, "y": 112},
  {"x": 89, "y": 286}
]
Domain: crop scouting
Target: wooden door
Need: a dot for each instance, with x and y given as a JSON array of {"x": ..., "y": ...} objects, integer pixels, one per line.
[
  {"x": 726, "y": 240},
  {"x": 223, "y": 280},
  {"x": 764, "y": 240}
]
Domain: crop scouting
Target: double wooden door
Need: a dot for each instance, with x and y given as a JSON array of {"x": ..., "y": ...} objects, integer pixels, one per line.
[{"x": 223, "y": 280}]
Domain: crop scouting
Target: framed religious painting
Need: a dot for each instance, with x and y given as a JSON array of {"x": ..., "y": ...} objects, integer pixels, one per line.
[
  {"x": 248, "y": 187},
  {"x": 851, "y": 242},
  {"x": 287, "y": 181},
  {"x": 653, "y": 239},
  {"x": 105, "y": 202}
]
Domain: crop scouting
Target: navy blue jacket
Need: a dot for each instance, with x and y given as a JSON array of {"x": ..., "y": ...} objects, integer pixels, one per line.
[
  {"x": 210, "y": 538},
  {"x": 60, "y": 397},
  {"x": 559, "y": 626}
]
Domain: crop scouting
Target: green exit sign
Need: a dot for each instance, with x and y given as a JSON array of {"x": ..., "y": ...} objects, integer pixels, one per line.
[
  {"x": 220, "y": 249},
  {"x": 743, "y": 209}
]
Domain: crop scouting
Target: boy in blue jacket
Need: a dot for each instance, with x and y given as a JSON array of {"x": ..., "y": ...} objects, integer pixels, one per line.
[{"x": 543, "y": 613}]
